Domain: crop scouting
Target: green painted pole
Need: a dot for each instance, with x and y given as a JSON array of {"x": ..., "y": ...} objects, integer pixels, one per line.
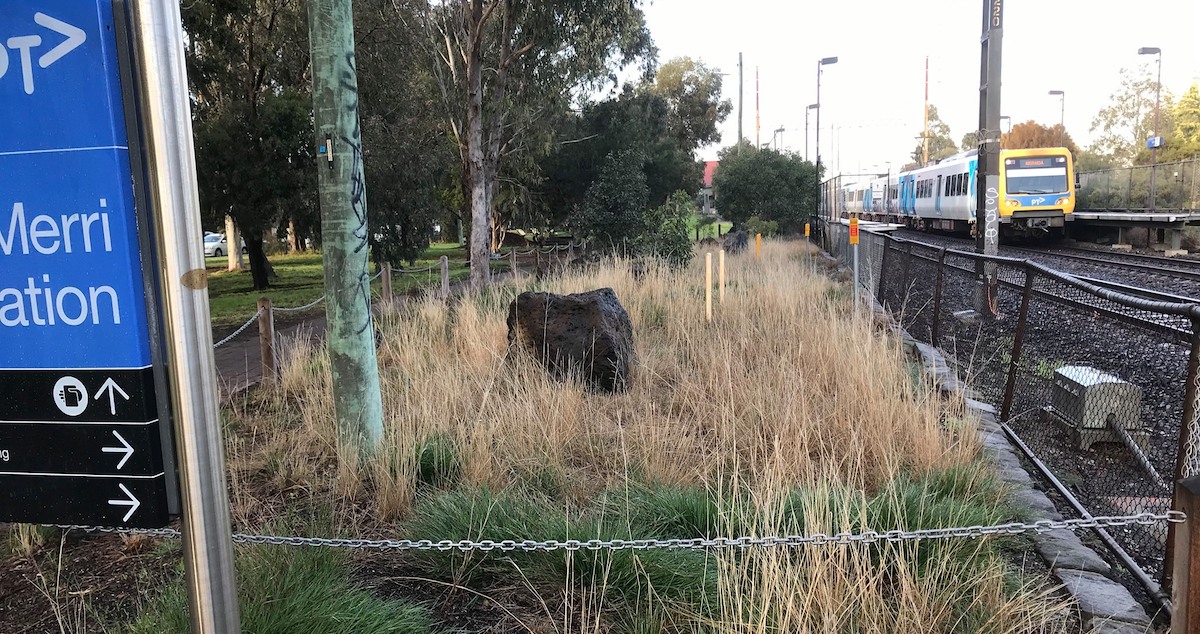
[{"x": 343, "y": 196}]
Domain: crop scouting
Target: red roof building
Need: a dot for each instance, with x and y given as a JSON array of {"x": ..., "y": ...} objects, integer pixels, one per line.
[{"x": 710, "y": 169}]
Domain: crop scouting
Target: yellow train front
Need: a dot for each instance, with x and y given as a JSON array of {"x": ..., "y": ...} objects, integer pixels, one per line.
[{"x": 1038, "y": 188}]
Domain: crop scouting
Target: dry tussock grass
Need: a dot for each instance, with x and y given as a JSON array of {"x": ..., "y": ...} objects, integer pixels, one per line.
[{"x": 786, "y": 389}]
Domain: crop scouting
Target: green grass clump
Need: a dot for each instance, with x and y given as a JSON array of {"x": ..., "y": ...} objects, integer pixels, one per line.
[
  {"x": 438, "y": 461},
  {"x": 287, "y": 590}
]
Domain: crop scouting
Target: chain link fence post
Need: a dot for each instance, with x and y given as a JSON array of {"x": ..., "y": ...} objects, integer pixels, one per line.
[
  {"x": 879, "y": 286},
  {"x": 1187, "y": 455},
  {"x": 937, "y": 298},
  {"x": 266, "y": 342},
  {"x": 1185, "y": 593},
  {"x": 1018, "y": 338}
]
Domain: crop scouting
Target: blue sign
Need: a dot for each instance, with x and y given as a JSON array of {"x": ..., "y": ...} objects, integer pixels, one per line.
[
  {"x": 1154, "y": 142},
  {"x": 71, "y": 284},
  {"x": 82, "y": 437}
]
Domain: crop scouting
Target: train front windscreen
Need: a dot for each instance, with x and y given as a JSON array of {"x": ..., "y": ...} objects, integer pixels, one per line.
[{"x": 1036, "y": 175}]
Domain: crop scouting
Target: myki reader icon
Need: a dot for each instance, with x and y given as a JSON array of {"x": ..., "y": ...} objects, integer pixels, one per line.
[{"x": 70, "y": 396}]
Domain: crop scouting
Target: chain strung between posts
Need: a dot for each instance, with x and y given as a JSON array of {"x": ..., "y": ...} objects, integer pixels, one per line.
[
  {"x": 816, "y": 539},
  {"x": 239, "y": 330},
  {"x": 294, "y": 309}
]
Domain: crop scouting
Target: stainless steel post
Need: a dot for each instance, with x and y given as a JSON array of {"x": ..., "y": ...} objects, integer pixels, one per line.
[{"x": 171, "y": 184}]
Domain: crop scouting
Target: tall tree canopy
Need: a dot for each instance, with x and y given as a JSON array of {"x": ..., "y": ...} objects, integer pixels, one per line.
[
  {"x": 693, "y": 93},
  {"x": 1032, "y": 134},
  {"x": 770, "y": 185},
  {"x": 941, "y": 144},
  {"x": 409, "y": 158},
  {"x": 1121, "y": 128},
  {"x": 252, "y": 113},
  {"x": 499, "y": 64}
]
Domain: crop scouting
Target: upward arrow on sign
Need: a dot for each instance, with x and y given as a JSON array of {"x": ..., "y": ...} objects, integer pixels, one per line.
[{"x": 113, "y": 389}]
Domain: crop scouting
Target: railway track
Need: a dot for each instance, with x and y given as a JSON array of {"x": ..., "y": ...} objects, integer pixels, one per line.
[{"x": 1167, "y": 276}]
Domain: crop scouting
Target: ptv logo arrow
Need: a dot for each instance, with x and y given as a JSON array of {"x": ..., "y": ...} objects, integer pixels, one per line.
[{"x": 23, "y": 45}]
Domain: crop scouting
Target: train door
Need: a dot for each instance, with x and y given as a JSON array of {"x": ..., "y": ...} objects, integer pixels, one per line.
[{"x": 937, "y": 200}]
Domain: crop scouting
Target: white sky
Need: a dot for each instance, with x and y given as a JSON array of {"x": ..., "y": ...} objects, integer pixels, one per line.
[{"x": 872, "y": 98}]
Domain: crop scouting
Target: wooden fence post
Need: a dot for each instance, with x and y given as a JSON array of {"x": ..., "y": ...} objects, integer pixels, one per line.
[
  {"x": 266, "y": 342},
  {"x": 512, "y": 261},
  {"x": 385, "y": 283},
  {"x": 445, "y": 266},
  {"x": 1185, "y": 575}
]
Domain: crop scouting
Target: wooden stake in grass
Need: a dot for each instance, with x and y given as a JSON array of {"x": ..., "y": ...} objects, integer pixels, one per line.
[
  {"x": 757, "y": 247},
  {"x": 708, "y": 286},
  {"x": 721, "y": 275},
  {"x": 512, "y": 261},
  {"x": 445, "y": 266},
  {"x": 266, "y": 342},
  {"x": 385, "y": 282}
]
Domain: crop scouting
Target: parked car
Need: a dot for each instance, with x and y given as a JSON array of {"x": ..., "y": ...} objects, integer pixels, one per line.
[{"x": 215, "y": 245}]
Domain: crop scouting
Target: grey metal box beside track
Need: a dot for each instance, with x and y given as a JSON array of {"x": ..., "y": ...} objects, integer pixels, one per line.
[{"x": 1095, "y": 402}]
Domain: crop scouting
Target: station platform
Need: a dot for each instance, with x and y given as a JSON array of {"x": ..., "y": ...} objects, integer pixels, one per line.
[{"x": 1172, "y": 217}]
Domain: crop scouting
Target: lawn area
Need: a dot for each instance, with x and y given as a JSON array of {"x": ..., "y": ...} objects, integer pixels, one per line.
[
  {"x": 232, "y": 298},
  {"x": 709, "y": 230}
]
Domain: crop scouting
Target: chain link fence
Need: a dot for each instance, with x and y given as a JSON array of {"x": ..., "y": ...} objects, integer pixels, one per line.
[
  {"x": 1176, "y": 186},
  {"x": 1101, "y": 387}
]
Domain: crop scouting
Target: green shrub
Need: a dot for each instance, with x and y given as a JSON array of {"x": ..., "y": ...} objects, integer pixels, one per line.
[{"x": 290, "y": 590}]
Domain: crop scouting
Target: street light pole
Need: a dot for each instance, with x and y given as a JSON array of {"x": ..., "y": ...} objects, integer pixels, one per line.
[
  {"x": 1062, "y": 113},
  {"x": 778, "y": 131},
  {"x": 1150, "y": 50},
  {"x": 820, "y": 64},
  {"x": 810, "y": 108}
]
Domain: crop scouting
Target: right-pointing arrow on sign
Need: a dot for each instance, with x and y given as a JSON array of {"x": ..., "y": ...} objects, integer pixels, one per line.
[
  {"x": 132, "y": 503},
  {"x": 126, "y": 449},
  {"x": 75, "y": 37}
]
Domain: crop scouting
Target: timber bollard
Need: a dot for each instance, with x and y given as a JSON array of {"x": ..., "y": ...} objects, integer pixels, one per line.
[
  {"x": 266, "y": 342},
  {"x": 445, "y": 266},
  {"x": 1185, "y": 571},
  {"x": 385, "y": 282}
]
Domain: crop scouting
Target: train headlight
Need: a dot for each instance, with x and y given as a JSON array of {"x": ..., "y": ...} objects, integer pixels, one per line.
[
  {"x": 1062, "y": 201},
  {"x": 1012, "y": 203}
]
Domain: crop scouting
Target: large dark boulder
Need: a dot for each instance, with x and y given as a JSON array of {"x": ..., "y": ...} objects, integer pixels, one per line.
[
  {"x": 736, "y": 242},
  {"x": 586, "y": 333}
]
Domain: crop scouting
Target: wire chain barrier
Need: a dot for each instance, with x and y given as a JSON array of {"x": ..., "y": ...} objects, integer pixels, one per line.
[
  {"x": 815, "y": 539},
  {"x": 296, "y": 309},
  {"x": 427, "y": 269},
  {"x": 249, "y": 322}
]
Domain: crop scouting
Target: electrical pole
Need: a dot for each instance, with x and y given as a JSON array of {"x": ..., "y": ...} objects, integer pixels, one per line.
[
  {"x": 757, "y": 121},
  {"x": 925, "y": 135},
  {"x": 987, "y": 194},
  {"x": 741, "y": 93},
  {"x": 351, "y": 332}
]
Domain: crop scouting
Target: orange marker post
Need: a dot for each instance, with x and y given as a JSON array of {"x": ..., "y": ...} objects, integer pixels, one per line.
[{"x": 757, "y": 247}]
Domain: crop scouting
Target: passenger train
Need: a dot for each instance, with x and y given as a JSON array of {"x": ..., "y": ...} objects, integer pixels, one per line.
[{"x": 1037, "y": 199}]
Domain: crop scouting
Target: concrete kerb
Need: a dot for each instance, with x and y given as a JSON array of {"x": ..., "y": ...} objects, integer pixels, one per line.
[{"x": 1105, "y": 606}]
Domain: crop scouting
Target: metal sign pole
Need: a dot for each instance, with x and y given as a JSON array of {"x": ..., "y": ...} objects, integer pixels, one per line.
[
  {"x": 854, "y": 250},
  {"x": 171, "y": 184},
  {"x": 987, "y": 196}
]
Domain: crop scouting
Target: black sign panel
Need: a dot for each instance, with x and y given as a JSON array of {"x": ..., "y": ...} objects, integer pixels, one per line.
[{"x": 81, "y": 447}]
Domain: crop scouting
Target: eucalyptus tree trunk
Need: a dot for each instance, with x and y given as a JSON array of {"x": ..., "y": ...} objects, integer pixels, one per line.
[
  {"x": 351, "y": 333},
  {"x": 477, "y": 181}
]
